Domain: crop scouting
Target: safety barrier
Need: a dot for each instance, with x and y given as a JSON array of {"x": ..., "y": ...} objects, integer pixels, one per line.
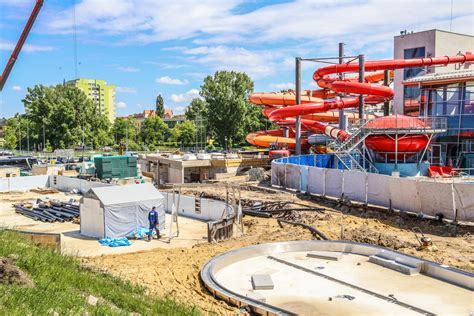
[{"x": 454, "y": 201}]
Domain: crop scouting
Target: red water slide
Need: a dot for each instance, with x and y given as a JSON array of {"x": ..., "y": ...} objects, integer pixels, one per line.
[{"x": 315, "y": 108}]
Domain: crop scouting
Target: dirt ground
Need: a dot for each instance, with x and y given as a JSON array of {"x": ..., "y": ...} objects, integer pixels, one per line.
[{"x": 175, "y": 272}]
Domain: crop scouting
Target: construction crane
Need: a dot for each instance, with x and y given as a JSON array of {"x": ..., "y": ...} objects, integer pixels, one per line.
[{"x": 19, "y": 44}]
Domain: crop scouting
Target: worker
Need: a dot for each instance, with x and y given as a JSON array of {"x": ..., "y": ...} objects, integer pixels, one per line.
[{"x": 154, "y": 223}]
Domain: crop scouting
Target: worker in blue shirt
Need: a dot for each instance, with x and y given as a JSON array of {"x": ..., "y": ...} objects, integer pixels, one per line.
[{"x": 153, "y": 220}]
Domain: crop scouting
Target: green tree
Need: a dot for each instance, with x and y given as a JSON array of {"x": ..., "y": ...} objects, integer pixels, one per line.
[
  {"x": 11, "y": 133},
  {"x": 197, "y": 107},
  {"x": 67, "y": 116},
  {"x": 160, "y": 106},
  {"x": 120, "y": 127},
  {"x": 226, "y": 94},
  {"x": 184, "y": 133},
  {"x": 153, "y": 131}
]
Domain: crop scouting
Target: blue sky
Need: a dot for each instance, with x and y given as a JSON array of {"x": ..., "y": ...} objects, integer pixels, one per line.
[{"x": 146, "y": 47}]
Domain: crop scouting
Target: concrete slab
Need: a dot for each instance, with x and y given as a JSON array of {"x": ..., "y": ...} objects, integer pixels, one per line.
[
  {"x": 317, "y": 293},
  {"x": 191, "y": 232}
]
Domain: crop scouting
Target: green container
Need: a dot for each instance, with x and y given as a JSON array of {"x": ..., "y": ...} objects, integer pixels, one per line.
[{"x": 109, "y": 167}]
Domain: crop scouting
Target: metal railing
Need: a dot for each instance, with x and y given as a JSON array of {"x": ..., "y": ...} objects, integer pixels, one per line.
[{"x": 409, "y": 125}]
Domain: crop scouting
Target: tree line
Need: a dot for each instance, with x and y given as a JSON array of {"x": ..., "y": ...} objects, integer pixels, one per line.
[{"x": 61, "y": 116}]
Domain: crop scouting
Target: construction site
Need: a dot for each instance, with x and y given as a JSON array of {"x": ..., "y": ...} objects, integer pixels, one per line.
[{"x": 355, "y": 197}]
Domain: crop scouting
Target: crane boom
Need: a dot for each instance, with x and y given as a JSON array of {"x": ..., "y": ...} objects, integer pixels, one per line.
[{"x": 19, "y": 44}]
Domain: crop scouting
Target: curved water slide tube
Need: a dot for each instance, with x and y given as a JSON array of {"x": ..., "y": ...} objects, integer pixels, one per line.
[{"x": 316, "y": 106}]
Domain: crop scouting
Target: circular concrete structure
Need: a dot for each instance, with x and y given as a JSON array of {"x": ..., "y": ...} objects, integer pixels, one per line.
[{"x": 336, "y": 277}]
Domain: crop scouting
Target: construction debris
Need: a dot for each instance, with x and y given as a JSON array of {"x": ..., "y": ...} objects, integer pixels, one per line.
[
  {"x": 268, "y": 209},
  {"x": 44, "y": 190},
  {"x": 52, "y": 211}
]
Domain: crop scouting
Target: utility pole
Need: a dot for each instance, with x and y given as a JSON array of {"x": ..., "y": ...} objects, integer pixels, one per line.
[
  {"x": 28, "y": 137},
  {"x": 298, "y": 101},
  {"x": 342, "y": 118},
  {"x": 386, "y": 104},
  {"x": 44, "y": 138},
  {"x": 361, "y": 79},
  {"x": 126, "y": 138}
]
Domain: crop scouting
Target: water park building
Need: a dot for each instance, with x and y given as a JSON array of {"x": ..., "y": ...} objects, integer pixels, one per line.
[
  {"x": 102, "y": 94},
  {"x": 441, "y": 91}
]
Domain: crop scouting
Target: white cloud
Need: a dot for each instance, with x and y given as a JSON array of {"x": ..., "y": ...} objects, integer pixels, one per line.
[
  {"x": 121, "y": 105},
  {"x": 282, "y": 86},
  {"x": 126, "y": 89},
  {"x": 128, "y": 69},
  {"x": 220, "y": 22},
  {"x": 177, "y": 98},
  {"x": 179, "y": 110},
  {"x": 257, "y": 64},
  {"x": 29, "y": 48},
  {"x": 16, "y": 88},
  {"x": 169, "y": 80},
  {"x": 185, "y": 97}
]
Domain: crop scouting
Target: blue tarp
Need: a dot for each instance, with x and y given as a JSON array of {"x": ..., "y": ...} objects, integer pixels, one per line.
[
  {"x": 115, "y": 242},
  {"x": 141, "y": 233}
]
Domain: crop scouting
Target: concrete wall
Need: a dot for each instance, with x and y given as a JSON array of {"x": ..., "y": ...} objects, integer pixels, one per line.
[
  {"x": 211, "y": 210},
  {"x": 23, "y": 183},
  {"x": 175, "y": 175},
  {"x": 437, "y": 43},
  {"x": 67, "y": 184}
]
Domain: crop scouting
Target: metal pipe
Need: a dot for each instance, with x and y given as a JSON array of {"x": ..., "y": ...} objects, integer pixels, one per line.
[
  {"x": 386, "y": 104},
  {"x": 313, "y": 230},
  {"x": 298, "y": 101},
  {"x": 342, "y": 121},
  {"x": 361, "y": 79}
]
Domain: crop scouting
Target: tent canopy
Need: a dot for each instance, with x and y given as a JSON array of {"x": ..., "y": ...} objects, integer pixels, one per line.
[
  {"x": 117, "y": 211},
  {"x": 114, "y": 195}
]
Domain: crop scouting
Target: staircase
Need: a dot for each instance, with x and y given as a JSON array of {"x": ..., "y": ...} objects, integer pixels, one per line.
[{"x": 348, "y": 152}]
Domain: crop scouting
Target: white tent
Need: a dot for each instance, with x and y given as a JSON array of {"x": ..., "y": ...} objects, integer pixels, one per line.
[{"x": 116, "y": 211}]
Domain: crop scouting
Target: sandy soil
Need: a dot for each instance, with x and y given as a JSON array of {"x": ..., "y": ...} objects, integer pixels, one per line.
[{"x": 175, "y": 272}]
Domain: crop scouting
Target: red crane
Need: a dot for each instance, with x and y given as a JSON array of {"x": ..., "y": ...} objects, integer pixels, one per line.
[{"x": 19, "y": 44}]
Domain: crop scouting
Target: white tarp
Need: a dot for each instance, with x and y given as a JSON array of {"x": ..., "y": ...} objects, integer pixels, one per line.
[
  {"x": 436, "y": 198},
  {"x": 378, "y": 189},
  {"x": 125, "y": 208},
  {"x": 333, "y": 182},
  {"x": 316, "y": 180},
  {"x": 292, "y": 177},
  {"x": 464, "y": 193},
  {"x": 404, "y": 194},
  {"x": 355, "y": 185},
  {"x": 278, "y": 174}
]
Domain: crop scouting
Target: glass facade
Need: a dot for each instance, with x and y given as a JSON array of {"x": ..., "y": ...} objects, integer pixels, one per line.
[
  {"x": 411, "y": 95},
  {"x": 455, "y": 102}
]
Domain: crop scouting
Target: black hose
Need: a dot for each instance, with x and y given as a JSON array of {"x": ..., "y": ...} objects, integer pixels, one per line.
[{"x": 313, "y": 230}]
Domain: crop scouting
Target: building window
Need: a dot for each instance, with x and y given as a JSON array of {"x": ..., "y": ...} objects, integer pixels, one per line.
[{"x": 410, "y": 53}]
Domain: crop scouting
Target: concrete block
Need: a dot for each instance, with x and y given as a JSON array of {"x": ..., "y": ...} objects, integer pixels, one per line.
[
  {"x": 262, "y": 282},
  {"x": 256, "y": 296},
  {"x": 394, "y": 265},
  {"x": 326, "y": 255}
]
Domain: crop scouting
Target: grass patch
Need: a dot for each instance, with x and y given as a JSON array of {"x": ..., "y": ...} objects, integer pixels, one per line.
[{"x": 61, "y": 285}]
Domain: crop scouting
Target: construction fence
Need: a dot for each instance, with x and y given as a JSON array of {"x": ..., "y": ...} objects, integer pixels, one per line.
[{"x": 453, "y": 200}]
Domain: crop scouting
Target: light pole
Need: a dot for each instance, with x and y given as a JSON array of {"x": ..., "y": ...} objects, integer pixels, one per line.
[{"x": 126, "y": 138}]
